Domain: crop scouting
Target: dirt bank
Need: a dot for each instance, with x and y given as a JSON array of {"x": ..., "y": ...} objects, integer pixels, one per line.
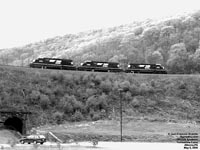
[{"x": 8, "y": 137}]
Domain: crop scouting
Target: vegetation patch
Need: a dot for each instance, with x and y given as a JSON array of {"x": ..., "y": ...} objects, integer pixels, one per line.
[{"x": 56, "y": 96}]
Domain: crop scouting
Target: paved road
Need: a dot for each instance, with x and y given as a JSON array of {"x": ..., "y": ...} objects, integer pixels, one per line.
[{"x": 100, "y": 146}]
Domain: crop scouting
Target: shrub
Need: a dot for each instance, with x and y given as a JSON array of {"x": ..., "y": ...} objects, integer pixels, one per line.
[
  {"x": 145, "y": 89},
  {"x": 97, "y": 80},
  {"x": 96, "y": 115},
  {"x": 44, "y": 101},
  {"x": 135, "y": 103},
  {"x": 125, "y": 85},
  {"x": 134, "y": 90},
  {"x": 116, "y": 85},
  {"x": 77, "y": 116},
  {"x": 106, "y": 86},
  {"x": 58, "y": 117},
  {"x": 85, "y": 79},
  {"x": 91, "y": 102},
  {"x": 70, "y": 105},
  {"x": 90, "y": 91},
  {"x": 103, "y": 102},
  {"x": 34, "y": 97},
  {"x": 127, "y": 96},
  {"x": 68, "y": 79},
  {"x": 59, "y": 77},
  {"x": 59, "y": 91},
  {"x": 97, "y": 103}
]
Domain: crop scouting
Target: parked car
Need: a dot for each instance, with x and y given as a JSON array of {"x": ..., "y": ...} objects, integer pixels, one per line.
[{"x": 33, "y": 139}]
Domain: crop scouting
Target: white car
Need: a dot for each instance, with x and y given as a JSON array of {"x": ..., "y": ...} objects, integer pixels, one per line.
[{"x": 33, "y": 139}]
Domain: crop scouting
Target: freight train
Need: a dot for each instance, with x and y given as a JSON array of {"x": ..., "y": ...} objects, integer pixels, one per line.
[{"x": 96, "y": 66}]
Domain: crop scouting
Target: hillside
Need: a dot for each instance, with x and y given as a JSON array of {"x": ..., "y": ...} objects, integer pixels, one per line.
[
  {"x": 173, "y": 42},
  {"x": 57, "y": 96}
]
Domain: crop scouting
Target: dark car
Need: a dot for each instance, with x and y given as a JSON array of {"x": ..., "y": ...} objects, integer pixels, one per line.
[{"x": 33, "y": 139}]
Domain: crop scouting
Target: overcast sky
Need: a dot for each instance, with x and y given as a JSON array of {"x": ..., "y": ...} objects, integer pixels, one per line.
[{"x": 26, "y": 21}]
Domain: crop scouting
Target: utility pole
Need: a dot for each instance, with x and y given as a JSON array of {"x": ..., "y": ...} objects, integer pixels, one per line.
[{"x": 120, "y": 93}]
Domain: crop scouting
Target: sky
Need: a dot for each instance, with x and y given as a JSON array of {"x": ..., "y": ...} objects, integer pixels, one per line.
[{"x": 28, "y": 21}]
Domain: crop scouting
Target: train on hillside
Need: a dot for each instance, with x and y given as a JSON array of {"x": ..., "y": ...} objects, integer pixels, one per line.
[{"x": 96, "y": 66}]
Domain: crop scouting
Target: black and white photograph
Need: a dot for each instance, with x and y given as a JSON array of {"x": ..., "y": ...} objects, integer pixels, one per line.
[{"x": 99, "y": 74}]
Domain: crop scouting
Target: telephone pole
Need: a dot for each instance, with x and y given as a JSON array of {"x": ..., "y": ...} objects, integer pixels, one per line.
[{"x": 120, "y": 93}]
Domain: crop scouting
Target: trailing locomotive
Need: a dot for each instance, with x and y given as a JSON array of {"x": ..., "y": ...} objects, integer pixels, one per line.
[
  {"x": 100, "y": 66},
  {"x": 96, "y": 66},
  {"x": 146, "y": 68}
]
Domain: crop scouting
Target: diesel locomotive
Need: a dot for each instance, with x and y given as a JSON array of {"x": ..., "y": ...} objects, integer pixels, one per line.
[{"x": 97, "y": 66}]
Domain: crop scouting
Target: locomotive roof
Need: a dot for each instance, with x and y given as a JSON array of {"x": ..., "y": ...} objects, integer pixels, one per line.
[
  {"x": 55, "y": 58},
  {"x": 143, "y": 64},
  {"x": 101, "y": 62}
]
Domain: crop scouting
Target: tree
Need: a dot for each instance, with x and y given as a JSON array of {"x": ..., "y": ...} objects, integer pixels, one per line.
[
  {"x": 70, "y": 105},
  {"x": 88, "y": 56},
  {"x": 44, "y": 101},
  {"x": 189, "y": 22},
  {"x": 166, "y": 31},
  {"x": 22, "y": 58},
  {"x": 178, "y": 58},
  {"x": 197, "y": 33},
  {"x": 119, "y": 58},
  {"x": 151, "y": 35},
  {"x": 155, "y": 57},
  {"x": 196, "y": 60},
  {"x": 4, "y": 57},
  {"x": 128, "y": 49},
  {"x": 191, "y": 43},
  {"x": 138, "y": 31},
  {"x": 196, "y": 15},
  {"x": 176, "y": 23}
]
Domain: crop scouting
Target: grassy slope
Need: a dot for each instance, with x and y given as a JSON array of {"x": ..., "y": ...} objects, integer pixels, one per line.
[
  {"x": 165, "y": 96},
  {"x": 109, "y": 130},
  {"x": 160, "y": 104},
  {"x": 156, "y": 104}
]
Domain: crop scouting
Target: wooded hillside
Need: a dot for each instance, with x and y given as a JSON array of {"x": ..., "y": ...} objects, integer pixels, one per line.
[{"x": 173, "y": 42}]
